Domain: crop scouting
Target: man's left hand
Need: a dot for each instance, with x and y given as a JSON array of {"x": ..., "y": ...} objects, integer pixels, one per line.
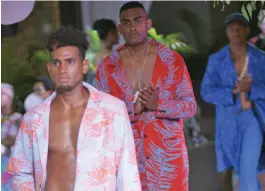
[{"x": 149, "y": 97}]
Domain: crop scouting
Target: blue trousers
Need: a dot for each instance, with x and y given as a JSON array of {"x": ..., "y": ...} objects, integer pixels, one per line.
[{"x": 251, "y": 144}]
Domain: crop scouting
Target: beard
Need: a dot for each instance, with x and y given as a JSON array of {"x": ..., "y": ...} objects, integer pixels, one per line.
[{"x": 63, "y": 89}]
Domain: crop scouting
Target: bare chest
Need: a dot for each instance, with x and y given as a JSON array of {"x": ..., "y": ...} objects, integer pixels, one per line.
[
  {"x": 64, "y": 128},
  {"x": 239, "y": 67},
  {"x": 240, "y": 64},
  {"x": 140, "y": 71}
]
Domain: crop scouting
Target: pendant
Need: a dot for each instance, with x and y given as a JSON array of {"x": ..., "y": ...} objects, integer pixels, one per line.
[{"x": 136, "y": 96}]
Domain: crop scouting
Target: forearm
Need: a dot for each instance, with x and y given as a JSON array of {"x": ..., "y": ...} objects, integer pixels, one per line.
[
  {"x": 212, "y": 89},
  {"x": 177, "y": 109},
  {"x": 257, "y": 92},
  {"x": 23, "y": 182},
  {"x": 20, "y": 164},
  {"x": 245, "y": 102},
  {"x": 184, "y": 104},
  {"x": 133, "y": 112},
  {"x": 21, "y": 170},
  {"x": 128, "y": 175},
  {"x": 243, "y": 97},
  {"x": 217, "y": 95}
]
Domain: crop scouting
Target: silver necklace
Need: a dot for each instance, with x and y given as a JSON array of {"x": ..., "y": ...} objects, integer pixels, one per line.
[
  {"x": 139, "y": 72},
  {"x": 244, "y": 70}
]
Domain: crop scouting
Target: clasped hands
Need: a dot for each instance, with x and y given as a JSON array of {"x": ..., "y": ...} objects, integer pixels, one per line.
[
  {"x": 147, "y": 99},
  {"x": 243, "y": 86}
]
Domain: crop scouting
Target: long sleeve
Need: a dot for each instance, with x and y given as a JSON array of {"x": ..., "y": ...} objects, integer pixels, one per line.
[
  {"x": 101, "y": 79},
  {"x": 103, "y": 83},
  {"x": 184, "y": 105},
  {"x": 211, "y": 89},
  {"x": 257, "y": 92},
  {"x": 20, "y": 164},
  {"x": 16, "y": 123},
  {"x": 128, "y": 177}
]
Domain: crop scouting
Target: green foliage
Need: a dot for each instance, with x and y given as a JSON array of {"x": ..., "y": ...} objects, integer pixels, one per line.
[
  {"x": 247, "y": 7},
  {"x": 94, "y": 40},
  {"x": 222, "y": 3},
  {"x": 175, "y": 41},
  {"x": 41, "y": 56},
  {"x": 94, "y": 48},
  {"x": 20, "y": 67}
]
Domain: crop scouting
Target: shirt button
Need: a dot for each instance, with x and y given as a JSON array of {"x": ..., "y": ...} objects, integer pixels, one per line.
[
  {"x": 145, "y": 136},
  {"x": 147, "y": 157}
]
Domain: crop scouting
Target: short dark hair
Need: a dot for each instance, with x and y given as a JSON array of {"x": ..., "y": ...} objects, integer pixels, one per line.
[
  {"x": 68, "y": 36},
  {"x": 103, "y": 27},
  {"x": 47, "y": 83},
  {"x": 131, "y": 5}
]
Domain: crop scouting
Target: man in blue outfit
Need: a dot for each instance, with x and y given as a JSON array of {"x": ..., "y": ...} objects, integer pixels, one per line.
[{"x": 234, "y": 81}]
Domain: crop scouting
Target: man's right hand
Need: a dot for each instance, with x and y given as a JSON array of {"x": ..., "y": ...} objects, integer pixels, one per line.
[
  {"x": 245, "y": 103},
  {"x": 243, "y": 85}
]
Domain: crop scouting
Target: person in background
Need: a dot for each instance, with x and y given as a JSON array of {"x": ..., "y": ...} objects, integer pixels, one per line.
[
  {"x": 108, "y": 34},
  {"x": 32, "y": 100},
  {"x": 10, "y": 121},
  {"x": 234, "y": 81},
  {"x": 259, "y": 40},
  {"x": 42, "y": 89}
]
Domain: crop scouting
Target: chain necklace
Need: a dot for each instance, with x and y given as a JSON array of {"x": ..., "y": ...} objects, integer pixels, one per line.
[
  {"x": 245, "y": 67},
  {"x": 140, "y": 72},
  {"x": 244, "y": 70},
  {"x": 243, "y": 96}
]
